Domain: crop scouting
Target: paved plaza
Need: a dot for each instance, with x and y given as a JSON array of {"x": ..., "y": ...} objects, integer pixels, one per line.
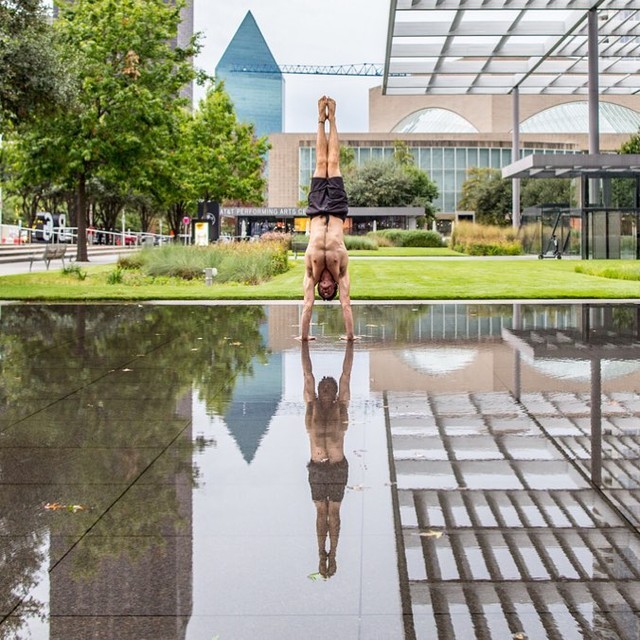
[{"x": 481, "y": 476}]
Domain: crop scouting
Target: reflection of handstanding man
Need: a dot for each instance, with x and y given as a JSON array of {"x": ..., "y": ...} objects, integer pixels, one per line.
[
  {"x": 327, "y": 419},
  {"x": 326, "y": 258}
]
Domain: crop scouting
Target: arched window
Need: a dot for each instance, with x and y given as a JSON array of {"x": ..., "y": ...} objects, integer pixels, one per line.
[
  {"x": 573, "y": 117},
  {"x": 434, "y": 121}
]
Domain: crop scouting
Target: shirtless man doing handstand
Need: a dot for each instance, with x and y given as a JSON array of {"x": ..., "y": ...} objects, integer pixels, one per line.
[{"x": 326, "y": 258}]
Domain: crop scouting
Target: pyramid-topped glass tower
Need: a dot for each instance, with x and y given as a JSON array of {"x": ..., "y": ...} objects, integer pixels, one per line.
[{"x": 258, "y": 97}]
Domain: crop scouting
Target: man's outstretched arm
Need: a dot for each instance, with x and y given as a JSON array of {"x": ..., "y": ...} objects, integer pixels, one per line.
[
  {"x": 344, "y": 387},
  {"x": 307, "y": 372},
  {"x": 344, "y": 288},
  {"x": 308, "y": 286}
]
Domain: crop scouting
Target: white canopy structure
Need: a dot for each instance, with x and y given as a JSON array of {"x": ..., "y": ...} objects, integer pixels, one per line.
[
  {"x": 602, "y": 165},
  {"x": 496, "y": 46},
  {"x": 568, "y": 47}
]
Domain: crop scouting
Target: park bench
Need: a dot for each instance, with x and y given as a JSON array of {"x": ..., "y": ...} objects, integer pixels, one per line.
[
  {"x": 299, "y": 245},
  {"x": 51, "y": 252}
]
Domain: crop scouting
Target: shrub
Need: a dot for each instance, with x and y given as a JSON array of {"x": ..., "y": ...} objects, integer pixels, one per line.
[
  {"x": 485, "y": 240},
  {"x": 409, "y": 237},
  {"x": 381, "y": 240},
  {"x": 422, "y": 238},
  {"x": 360, "y": 242}
]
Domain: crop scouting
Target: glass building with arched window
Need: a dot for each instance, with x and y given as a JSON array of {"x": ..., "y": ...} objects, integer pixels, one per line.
[
  {"x": 447, "y": 164},
  {"x": 448, "y": 135}
]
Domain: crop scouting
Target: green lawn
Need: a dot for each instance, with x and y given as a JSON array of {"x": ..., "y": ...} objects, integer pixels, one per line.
[
  {"x": 405, "y": 252},
  {"x": 371, "y": 279}
]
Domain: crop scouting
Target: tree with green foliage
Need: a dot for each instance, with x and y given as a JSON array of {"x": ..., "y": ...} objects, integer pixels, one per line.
[
  {"x": 128, "y": 78},
  {"x": 537, "y": 191},
  {"x": 227, "y": 159},
  {"x": 487, "y": 193},
  {"x": 624, "y": 189},
  {"x": 632, "y": 145},
  {"x": 347, "y": 159},
  {"x": 32, "y": 80},
  {"x": 402, "y": 154},
  {"x": 388, "y": 183},
  {"x": 210, "y": 156}
]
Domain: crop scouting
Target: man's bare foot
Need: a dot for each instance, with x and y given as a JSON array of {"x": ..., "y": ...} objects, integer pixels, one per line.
[
  {"x": 322, "y": 109},
  {"x": 301, "y": 339},
  {"x": 349, "y": 338},
  {"x": 331, "y": 109}
]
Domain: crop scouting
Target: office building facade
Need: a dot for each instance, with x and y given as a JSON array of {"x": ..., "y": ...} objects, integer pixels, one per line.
[{"x": 448, "y": 135}]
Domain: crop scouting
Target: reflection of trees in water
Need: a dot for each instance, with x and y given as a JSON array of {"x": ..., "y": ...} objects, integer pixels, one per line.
[
  {"x": 234, "y": 343},
  {"x": 73, "y": 360},
  {"x": 50, "y": 350},
  {"x": 625, "y": 317},
  {"x": 26, "y": 558}
]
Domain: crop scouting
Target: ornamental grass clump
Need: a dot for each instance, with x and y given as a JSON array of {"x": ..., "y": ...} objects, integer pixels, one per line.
[
  {"x": 131, "y": 261},
  {"x": 359, "y": 243},
  {"x": 243, "y": 262},
  {"x": 485, "y": 240}
]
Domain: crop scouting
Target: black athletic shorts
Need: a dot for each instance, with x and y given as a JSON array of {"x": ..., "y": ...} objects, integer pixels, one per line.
[
  {"x": 328, "y": 480},
  {"x": 327, "y": 196}
]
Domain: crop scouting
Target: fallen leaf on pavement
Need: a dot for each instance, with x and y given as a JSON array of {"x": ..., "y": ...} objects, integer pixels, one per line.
[
  {"x": 316, "y": 576},
  {"x": 57, "y": 506}
]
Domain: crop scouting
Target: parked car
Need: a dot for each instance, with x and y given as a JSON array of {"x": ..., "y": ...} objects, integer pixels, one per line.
[{"x": 129, "y": 239}]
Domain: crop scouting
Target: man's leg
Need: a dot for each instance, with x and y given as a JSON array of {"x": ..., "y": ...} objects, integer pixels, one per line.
[
  {"x": 333, "y": 160},
  {"x": 321, "y": 141}
]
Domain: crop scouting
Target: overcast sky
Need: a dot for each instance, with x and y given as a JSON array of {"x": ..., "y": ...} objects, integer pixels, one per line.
[{"x": 325, "y": 32}]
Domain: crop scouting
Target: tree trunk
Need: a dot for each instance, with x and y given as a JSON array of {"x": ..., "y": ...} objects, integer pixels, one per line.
[
  {"x": 174, "y": 216},
  {"x": 72, "y": 216},
  {"x": 146, "y": 217},
  {"x": 81, "y": 213}
]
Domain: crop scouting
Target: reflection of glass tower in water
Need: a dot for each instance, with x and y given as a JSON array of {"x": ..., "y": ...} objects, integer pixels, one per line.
[{"x": 257, "y": 97}]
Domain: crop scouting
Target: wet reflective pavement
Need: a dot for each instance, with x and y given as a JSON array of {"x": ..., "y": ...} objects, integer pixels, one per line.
[{"x": 193, "y": 472}]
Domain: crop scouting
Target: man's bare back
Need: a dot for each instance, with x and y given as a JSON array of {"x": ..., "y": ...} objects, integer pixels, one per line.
[{"x": 326, "y": 248}]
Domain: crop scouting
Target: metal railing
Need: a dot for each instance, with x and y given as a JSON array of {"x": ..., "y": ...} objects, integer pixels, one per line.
[{"x": 17, "y": 234}]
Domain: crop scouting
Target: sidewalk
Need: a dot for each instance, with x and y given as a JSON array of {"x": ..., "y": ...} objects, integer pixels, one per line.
[{"x": 23, "y": 264}]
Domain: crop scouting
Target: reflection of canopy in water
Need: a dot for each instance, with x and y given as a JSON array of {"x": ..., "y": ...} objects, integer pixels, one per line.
[
  {"x": 570, "y": 369},
  {"x": 438, "y": 360},
  {"x": 254, "y": 402}
]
